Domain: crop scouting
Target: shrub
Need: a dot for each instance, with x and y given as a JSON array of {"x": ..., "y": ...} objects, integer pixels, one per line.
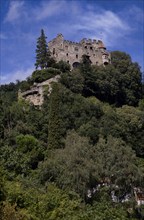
[{"x": 39, "y": 76}]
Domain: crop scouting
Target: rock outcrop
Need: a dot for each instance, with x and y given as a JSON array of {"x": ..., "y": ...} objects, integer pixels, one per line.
[{"x": 36, "y": 94}]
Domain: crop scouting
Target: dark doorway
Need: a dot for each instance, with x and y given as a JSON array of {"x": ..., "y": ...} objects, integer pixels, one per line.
[{"x": 76, "y": 64}]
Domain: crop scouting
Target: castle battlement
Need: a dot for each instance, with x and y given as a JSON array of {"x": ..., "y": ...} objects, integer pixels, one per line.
[{"x": 71, "y": 52}]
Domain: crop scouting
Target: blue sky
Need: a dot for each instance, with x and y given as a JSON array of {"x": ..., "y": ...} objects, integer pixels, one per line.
[{"x": 119, "y": 23}]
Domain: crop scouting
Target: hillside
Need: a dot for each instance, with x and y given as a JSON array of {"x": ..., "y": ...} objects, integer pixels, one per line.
[{"x": 80, "y": 155}]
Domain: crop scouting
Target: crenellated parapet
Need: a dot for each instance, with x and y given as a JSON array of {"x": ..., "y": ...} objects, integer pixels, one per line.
[{"x": 71, "y": 52}]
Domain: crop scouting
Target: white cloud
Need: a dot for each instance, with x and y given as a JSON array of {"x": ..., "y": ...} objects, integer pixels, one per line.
[
  {"x": 15, "y": 11},
  {"x": 105, "y": 24},
  {"x": 17, "y": 75},
  {"x": 95, "y": 23},
  {"x": 49, "y": 8},
  {"x": 136, "y": 14}
]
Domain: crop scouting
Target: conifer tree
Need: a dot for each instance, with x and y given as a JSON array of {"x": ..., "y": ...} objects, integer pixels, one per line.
[
  {"x": 42, "y": 51},
  {"x": 54, "y": 134}
]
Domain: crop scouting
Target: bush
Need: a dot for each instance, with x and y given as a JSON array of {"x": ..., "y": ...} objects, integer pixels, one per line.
[
  {"x": 39, "y": 76},
  {"x": 25, "y": 85},
  {"x": 63, "y": 66}
]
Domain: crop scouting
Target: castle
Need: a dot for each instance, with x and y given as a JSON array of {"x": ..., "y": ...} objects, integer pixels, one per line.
[{"x": 71, "y": 52}]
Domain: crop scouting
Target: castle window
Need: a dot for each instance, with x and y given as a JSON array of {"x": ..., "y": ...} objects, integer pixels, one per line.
[
  {"x": 53, "y": 51},
  {"x": 67, "y": 54},
  {"x": 97, "y": 63},
  {"x": 67, "y": 61},
  {"x": 77, "y": 56},
  {"x": 85, "y": 47},
  {"x": 76, "y": 49},
  {"x": 66, "y": 47},
  {"x": 91, "y": 48},
  {"x": 94, "y": 55}
]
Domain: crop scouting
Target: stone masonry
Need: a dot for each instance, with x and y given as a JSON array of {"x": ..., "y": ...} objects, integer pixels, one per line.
[
  {"x": 71, "y": 52},
  {"x": 36, "y": 94}
]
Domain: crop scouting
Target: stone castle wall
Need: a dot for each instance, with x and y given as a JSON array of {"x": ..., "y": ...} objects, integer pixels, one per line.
[{"x": 71, "y": 52}]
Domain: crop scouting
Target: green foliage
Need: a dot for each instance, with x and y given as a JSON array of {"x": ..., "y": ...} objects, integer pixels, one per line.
[
  {"x": 62, "y": 65},
  {"x": 105, "y": 210},
  {"x": 39, "y": 76},
  {"x": 69, "y": 167},
  {"x": 52, "y": 157},
  {"x": 141, "y": 104},
  {"x": 10, "y": 212},
  {"x": 48, "y": 203},
  {"x": 90, "y": 130},
  {"x": 54, "y": 134},
  {"x": 42, "y": 53},
  {"x": 121, "y": 60},
  {"x": 132, "y": 127},
  {"x": 24, "y": 156},
  {"x": 131, "y": 75},
  {"x": 81, "y": 166},
  {"x": 25, "y": 85},
  {"x": 85, "y": 62},
  {"x": 26, "y": 142},
  {"x": 119, "y": 83},
  {"x": 126, "y": 123},
  {"x": 117, "y": 164},
  {"x": 2, "y": 188},
  {"x": 76, "y": 110},
  {"x": 73, "y": 81}
]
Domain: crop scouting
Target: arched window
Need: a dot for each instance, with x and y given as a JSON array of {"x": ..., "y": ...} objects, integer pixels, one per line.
[
  {"x": 66, "y": 47},
  {"x": 53, "y": 51},
  {"x": 76, "y": 64}
]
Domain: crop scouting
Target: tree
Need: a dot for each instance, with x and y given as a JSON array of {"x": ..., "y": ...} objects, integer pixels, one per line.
[
  {"x": 131, "y": 126},
  {"x": 62, "y": 66},
  {"x": 130, "y": 78},
  {"x": 70, "y": 167},
  {"x": 42, "y": 53},
  {"x": 54, "y": 134},
  {"x": 2, "y": 189},
  {"x": 116, "y": 164},
  {"x": 119, "y": 83},
  {"x": 80, "y": 166},
  {"x": 86, "y": 70},
  {"x": 73, "y": 80}
]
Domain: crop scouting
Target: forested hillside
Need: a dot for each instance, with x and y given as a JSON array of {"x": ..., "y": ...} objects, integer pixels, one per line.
[{"x": 81, "y": 155}]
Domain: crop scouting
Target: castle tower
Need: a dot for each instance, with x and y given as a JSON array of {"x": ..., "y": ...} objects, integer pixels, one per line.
[{"x": 71, "y": 52}]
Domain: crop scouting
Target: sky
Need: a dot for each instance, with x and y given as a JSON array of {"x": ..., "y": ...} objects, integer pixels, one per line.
[{"x": 119, "y": 23}]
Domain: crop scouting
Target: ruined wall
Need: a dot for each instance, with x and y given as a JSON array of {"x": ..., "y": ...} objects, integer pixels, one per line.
[
  {"x": 72, "y": 52},
  {"x": 36, "y": 94}
]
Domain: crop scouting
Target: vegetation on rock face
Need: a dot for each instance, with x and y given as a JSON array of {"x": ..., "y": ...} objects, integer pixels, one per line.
[
  {"x": 64, "y": 160},
  {"x": 39, "y": 76}
]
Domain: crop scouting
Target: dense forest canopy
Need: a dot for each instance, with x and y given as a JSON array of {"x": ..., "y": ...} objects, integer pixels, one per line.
[{"x": 66, "y": 159}]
